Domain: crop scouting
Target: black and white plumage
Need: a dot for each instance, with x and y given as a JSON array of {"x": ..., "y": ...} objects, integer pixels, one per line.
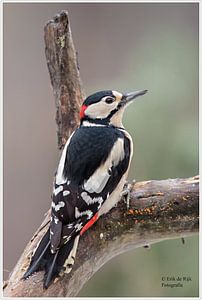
[{"x": 88, "y": 183}]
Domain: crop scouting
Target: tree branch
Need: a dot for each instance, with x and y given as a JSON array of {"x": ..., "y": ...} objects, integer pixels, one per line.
[
  {"x": 64, "y": 74},
  {"x": 159, "y": 210}
]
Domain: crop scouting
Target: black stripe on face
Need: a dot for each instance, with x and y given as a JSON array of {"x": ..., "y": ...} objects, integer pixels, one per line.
[
  {"x": 112, "y": 113},
  {"x": 104, "y": 121}
]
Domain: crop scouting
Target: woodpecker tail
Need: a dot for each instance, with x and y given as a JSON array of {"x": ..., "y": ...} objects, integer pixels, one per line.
[{"x": 54, "y": 264}]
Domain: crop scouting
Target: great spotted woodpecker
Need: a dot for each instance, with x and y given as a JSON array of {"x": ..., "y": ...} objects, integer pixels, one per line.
[{"x": 89, "y": 180}]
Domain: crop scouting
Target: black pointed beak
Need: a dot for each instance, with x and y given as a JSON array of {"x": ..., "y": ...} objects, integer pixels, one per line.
[{"x": 128, "y": 97}]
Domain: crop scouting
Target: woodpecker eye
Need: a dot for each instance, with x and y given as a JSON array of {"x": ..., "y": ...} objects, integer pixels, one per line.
[{"x": 109, "y": 100}]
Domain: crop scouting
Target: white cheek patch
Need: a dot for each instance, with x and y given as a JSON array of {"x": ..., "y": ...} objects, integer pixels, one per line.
[{"x": 100, "y": 110}]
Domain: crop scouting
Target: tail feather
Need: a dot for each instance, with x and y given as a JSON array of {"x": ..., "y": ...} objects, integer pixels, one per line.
[
  {"x": 37, "y": 264},
  {"x": 54, "y": 264},
  {"x": 50, "y": 271},
  {"x": 37, "y": 261}
]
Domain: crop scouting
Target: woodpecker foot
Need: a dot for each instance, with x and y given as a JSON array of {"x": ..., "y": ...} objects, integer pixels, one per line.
[{"x": 126, "y": 194}]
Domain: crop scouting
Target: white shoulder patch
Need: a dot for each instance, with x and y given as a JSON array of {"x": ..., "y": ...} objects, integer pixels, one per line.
[
  {"x": 97, "y": 182},
  {"x": 59, "y": 179}
]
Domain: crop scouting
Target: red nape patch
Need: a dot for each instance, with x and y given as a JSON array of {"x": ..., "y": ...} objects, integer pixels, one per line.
[
  {"x": 89, "y": 224},
  {"x": 82, "y": 111}
]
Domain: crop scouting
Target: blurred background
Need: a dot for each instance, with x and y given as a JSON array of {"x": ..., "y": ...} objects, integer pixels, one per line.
[{"x": 121, "y": 47}]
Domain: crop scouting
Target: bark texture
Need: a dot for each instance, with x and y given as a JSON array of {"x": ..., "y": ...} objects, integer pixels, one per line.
[
  {"x": 159, "y": 210},
  {"x": 64, "y": 74}
]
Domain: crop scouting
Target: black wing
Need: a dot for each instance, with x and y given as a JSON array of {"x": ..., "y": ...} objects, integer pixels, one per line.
[
  {"x": 88, "y": 148},
  {"x": 79, "y": 198}
]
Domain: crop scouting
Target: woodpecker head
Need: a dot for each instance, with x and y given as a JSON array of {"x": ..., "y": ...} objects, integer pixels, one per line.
[{"x": 107, "y": 107}]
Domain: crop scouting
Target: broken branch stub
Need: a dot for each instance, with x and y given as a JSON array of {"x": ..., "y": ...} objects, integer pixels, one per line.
[{"x": 64, "y": 74}]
